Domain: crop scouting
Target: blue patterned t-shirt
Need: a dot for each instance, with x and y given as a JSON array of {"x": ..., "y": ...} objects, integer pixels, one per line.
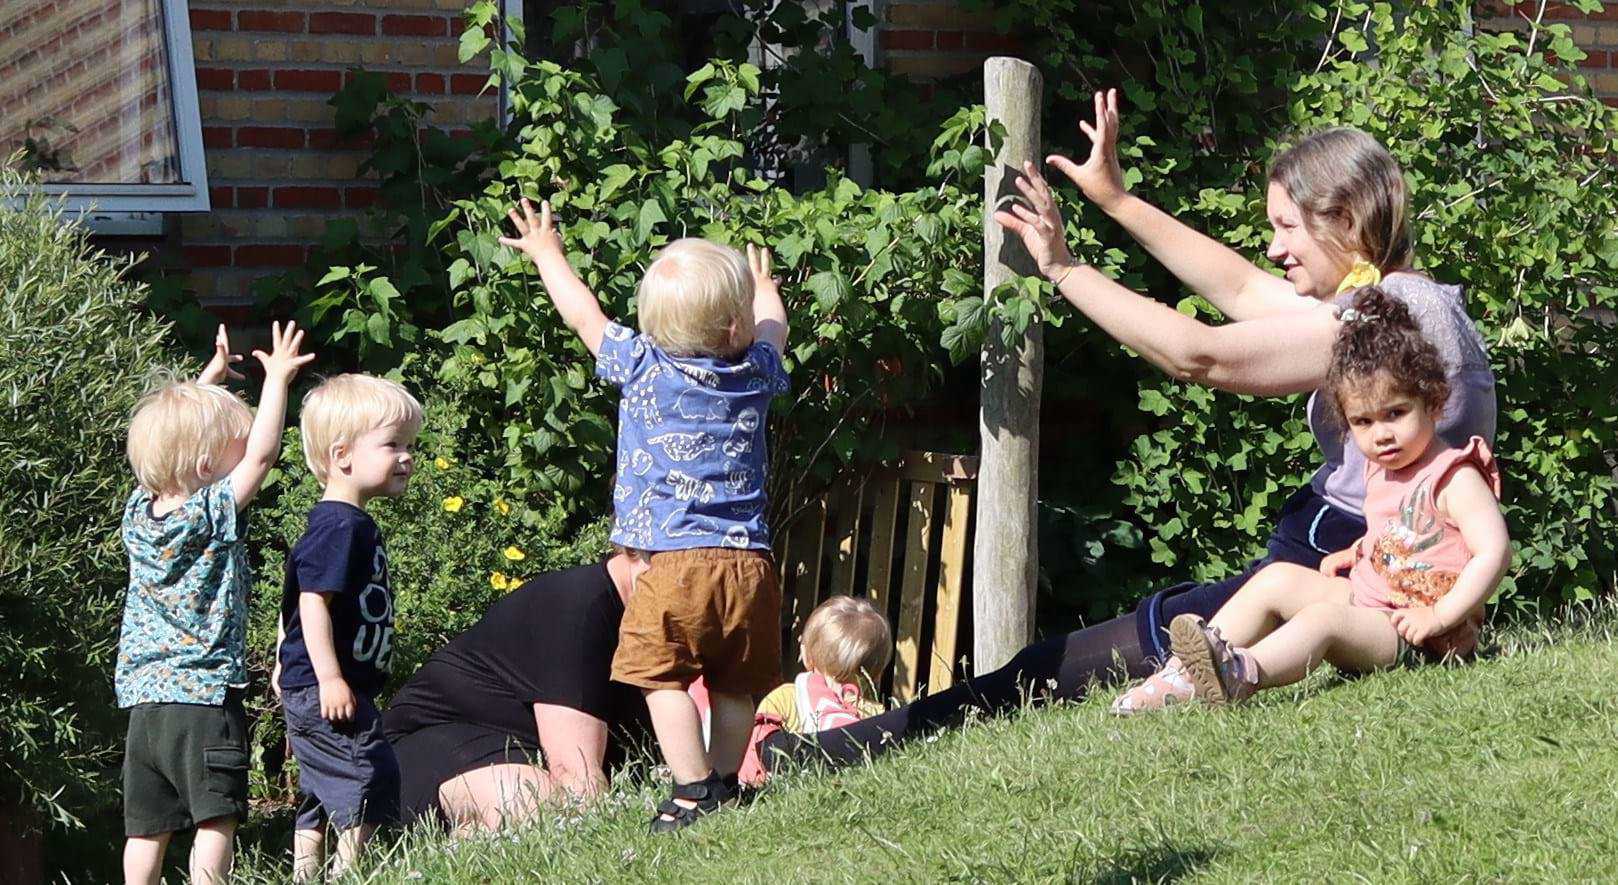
[
  {"x": 184, "y": 636},
  {"x": 691, "y": 450}
]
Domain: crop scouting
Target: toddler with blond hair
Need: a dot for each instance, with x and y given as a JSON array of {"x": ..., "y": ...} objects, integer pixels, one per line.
[
  {"x": 845, "y": 647},
  {"x": 337, "y": 618},
  {"x": 697, "y": 383},
  {"x": 199, "y": 457}
]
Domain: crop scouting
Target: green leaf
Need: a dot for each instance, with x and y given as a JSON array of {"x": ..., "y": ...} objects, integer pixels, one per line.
[
  {"x": 649, "y": 216},
  {"x": 376, "y": 326},
  {"x": 612, "y": 178},
  {"x": 830, "y": 288}
]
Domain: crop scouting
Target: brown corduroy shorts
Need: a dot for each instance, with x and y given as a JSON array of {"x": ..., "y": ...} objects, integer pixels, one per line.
[{"x": 712, "y": 612}]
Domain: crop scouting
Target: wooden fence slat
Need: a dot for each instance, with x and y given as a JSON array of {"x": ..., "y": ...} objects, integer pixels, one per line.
[
  {"x": 805, "y": 545},
  {"x": 937, "y": 467},
  {"x": 951, "y": 574},
  {"x": 847, "y": 502},
  {"x": 884, "y": 529},
  {"x": 907, "y": 644}
]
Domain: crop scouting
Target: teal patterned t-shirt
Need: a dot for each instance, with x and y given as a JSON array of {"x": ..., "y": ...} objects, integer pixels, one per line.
[{"x": 184, "y": 636}]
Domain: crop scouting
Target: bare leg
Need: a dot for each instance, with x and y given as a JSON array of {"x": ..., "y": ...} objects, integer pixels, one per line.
[
  {"x": 308, "y": 854},
  {"x": 143, "y": 858},
  {"x": 679, "y": 734},
  {"x": 1272, "y": 597},
  {"x": 732, "y": 726},
  {"x": 213, "y": 851},
  {"x": 350, "y": 843},
  {"x": 1349, "y": 636},
  {"x": 495, "y": 796}
]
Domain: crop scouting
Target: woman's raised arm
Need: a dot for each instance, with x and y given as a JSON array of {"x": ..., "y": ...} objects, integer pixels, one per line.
[
  {"x": 1213, "y": 270},
  {"x": 1275, "y": 355}
]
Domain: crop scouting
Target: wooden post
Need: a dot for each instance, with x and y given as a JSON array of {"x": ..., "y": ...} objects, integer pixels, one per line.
[{"x": 1006, "y": 550}]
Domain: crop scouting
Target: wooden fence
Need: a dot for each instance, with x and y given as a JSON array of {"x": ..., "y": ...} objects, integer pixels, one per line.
[{"x": 904, "y": 527}]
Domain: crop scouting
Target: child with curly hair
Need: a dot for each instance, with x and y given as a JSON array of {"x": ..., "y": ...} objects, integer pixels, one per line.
[{"x": 1435, "y": 549}]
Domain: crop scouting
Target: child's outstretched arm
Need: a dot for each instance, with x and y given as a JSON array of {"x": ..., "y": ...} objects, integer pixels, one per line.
[
  {"x": 1470, "y": 502},
  {"x": 769, "y": 312},
  {"x": 219, "y": 368},
  {"x": 264, "y": 439},
  {"x": 537, "y": 238}
]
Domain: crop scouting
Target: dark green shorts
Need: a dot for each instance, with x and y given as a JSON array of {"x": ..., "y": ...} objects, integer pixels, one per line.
[{"x": 184, "y": 764}]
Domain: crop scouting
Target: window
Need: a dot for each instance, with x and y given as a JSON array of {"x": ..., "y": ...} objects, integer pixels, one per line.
[{"x": 100, "y": 98}]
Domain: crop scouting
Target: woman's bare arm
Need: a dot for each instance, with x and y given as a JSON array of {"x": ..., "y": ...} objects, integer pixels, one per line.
[
  {"x": 1276, "y": 355},
  {"x": 1282, "y": 353},
  {"x": 575, "y": 747},
  {"x": 1236, "y": 286}
]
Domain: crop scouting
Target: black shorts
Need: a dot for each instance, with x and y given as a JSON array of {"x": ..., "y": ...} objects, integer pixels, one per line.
[
  {"x": 433, "y": 754},
  {"x": 184, "y": 764}
]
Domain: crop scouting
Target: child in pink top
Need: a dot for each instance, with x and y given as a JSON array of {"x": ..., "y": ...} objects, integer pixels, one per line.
[{"x": 1434, "y": 550}]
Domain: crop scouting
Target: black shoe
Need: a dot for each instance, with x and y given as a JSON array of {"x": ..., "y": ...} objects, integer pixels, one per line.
[{"x": 711, "y": 794}]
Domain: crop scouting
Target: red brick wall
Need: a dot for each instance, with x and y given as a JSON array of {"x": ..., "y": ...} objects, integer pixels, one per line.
[
  {"x": 1596, "y": 34},
  {"x": 276, "y": 171},
  {"x": 927, "y": 39}
]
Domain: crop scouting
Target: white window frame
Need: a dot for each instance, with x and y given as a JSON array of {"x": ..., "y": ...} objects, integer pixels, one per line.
[{"x": 138, "y": 208}]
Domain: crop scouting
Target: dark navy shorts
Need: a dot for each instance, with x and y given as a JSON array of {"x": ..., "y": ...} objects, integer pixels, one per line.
[
  {"x": 347, "y": 772},
  {"x": 1306, "y": 530}
]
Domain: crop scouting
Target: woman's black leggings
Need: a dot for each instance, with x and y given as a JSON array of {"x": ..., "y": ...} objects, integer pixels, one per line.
[
  {"x": 1308, "y": 527},
  {"x": 1061, "y": 667}
]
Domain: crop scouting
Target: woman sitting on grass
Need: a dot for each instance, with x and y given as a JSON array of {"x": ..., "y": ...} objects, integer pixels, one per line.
[
  {"x": 1435, "y": 549},
  {"x": 1338, "y": 209}
]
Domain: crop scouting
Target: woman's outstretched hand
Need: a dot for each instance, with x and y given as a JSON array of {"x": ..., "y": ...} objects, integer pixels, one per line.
[
  {"x": 1039, "y": 224},
  {"x": 1101, "y": 178}
]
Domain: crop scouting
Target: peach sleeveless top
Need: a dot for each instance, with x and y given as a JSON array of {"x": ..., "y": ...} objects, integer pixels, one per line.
[{"x": 1411, "y": 553}]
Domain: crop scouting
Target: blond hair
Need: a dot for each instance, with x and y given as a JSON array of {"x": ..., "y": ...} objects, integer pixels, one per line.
[
  {"x": 174, "y": 428},
  {"x": 694, "y": 293},
  {"x": 1352, "y": 195},
  {"x": 847, "y": 639},
  {"x": 344, "y": 408}
]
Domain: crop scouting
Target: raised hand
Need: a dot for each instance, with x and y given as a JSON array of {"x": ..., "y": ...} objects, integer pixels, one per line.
[
  {"x": 283, "y": 361},
  {"x": 1039, "y": 224},
  {"x": 1101, "y": 178},
  {"x": 758, "y": 260},
  {"x": 535, "y": 236},
  {"x": 219, "y": 368}
]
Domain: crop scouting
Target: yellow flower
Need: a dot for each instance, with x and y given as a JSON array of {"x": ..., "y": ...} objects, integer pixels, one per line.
[
  {"x": 514, "y": 554},
  {"x": 441, "y": 463},
  {"x": 454, "y": 504},
  {"x": 499, "y": 581},
  {"x": 501, "y": 505}
]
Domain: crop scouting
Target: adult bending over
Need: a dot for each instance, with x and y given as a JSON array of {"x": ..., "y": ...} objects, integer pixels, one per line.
[
  {"x": 1337, "y": 207},
  {"x": 520, "y": 710}
]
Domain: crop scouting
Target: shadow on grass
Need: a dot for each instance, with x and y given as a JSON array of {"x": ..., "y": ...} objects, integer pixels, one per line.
[{"x": 1163, "y": 863}]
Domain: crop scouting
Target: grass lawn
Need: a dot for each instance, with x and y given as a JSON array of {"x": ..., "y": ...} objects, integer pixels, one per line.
[{"x": 1503, "y": 770}]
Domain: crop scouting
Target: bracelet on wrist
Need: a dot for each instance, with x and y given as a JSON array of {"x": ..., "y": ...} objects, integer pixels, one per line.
[{"x": 1072, "y": 265}]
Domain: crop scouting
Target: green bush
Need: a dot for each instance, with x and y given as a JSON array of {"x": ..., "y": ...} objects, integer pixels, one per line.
[
  {"x": 866, "y": 272},
  {"x": 1509, "y": 156},
  {"x": 1507, "y": 151},
  {"x": 76, "y": 351}
]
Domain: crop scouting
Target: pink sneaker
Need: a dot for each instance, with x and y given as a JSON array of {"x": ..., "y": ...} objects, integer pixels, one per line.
[
  {"x": 1167, "y": 686},
  {"x": 1221, "y": 673}
]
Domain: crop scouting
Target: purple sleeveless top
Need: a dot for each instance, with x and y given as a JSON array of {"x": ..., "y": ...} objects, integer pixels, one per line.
[{"x": 1470, "y": 411}]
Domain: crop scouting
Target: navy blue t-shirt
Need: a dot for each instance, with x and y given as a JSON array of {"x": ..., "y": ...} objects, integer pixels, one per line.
[{"x": 340, "y": 554}]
